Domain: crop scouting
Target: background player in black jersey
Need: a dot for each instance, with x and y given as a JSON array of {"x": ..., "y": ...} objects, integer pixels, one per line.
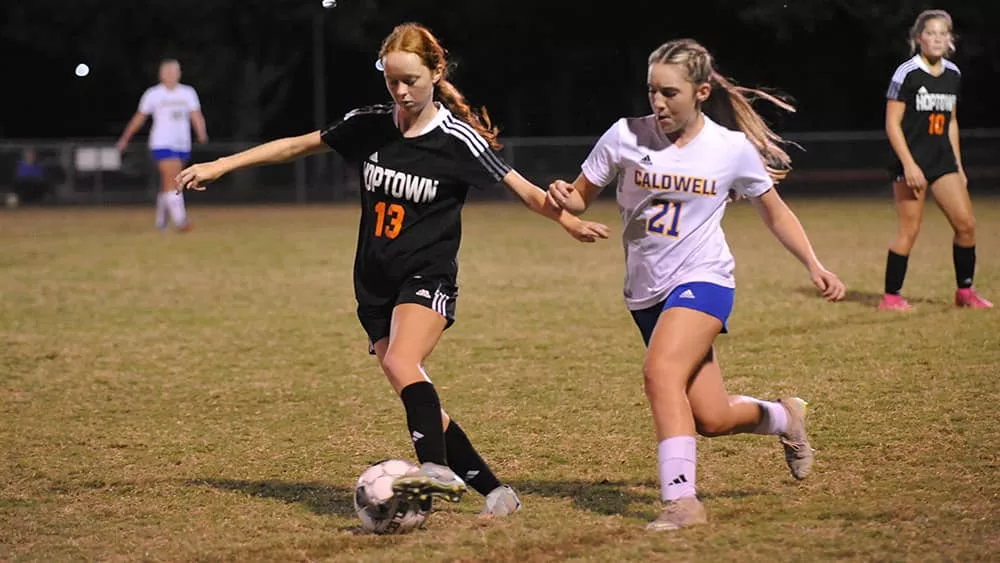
[
  {"x": 920, "y": 119},
  {"x": 417, "y": 158}
]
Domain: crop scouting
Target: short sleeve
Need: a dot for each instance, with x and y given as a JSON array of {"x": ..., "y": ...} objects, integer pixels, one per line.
[
  {"x": 477, "y": 164},
  {"x": 195, "y": 102},
  {"x": 147, "y": 104},
  {"x": 604, "y": 161},
  {"x": 343, "y": 135},
  {"x": 751, "y": 178},
  {"x": 898, "y": 86}
]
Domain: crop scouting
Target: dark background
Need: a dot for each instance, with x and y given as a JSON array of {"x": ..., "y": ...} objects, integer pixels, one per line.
[{"x": 542, "y": 67}]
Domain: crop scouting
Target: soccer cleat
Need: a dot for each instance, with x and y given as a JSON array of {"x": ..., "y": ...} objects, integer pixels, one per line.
[
  {"x": 798, "y": 454},
  {"x": 968, "y": 297},
  {"x": 501, "y": 501},
  {"x": 893, "y": 302},
  {"x": 681, "y": 513},
  {"x": 432, "y": 480}
]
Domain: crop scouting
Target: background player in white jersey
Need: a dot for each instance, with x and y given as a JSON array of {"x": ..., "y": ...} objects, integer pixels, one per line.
[
  {"x": 675, "y": 170},
  {"x": 418, "y": 157},
  {"x": 922, "y": 124},
  {"x": 175, "y": 108}
]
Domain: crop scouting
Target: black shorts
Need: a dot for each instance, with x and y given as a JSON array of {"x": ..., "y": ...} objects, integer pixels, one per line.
[
  {"x": 933, "y": 166},
  {"x": 436, "y": 293}
]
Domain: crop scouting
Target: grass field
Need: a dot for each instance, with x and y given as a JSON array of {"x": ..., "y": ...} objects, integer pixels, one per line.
[{"x": 209, "y": 397}]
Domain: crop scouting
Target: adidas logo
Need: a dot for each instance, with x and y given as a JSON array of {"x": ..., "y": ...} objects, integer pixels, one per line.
[
  {"x": 680, "y": 479},
  {"x": 423, "y": 293},
  {"x": 416, "y": 435},
  {"x": 374, "y": 157},
  {"x": 922, "y": 90},
  {"x": 471, "y": 474},
  {"x": 686, "y": 294},
  {"x": 646, "y": 160}
]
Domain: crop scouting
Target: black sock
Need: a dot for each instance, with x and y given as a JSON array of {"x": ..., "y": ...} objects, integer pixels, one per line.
[
  {"x": 895, "y": 272},
  {"x": 965, "y": 264},
  {"x": 465, "y": 461},
  {"x": 423, "y": 418}
]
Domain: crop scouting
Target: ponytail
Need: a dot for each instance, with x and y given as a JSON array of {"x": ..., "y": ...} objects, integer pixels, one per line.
[
  {"x": 478, "y": 120},
  {"x": 731, "y": 106}
]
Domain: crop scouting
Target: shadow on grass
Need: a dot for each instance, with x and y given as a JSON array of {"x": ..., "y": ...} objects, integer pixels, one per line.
[
  {"x": 632, "y": 500},
  {"x": 317, "y": 497},
  {"x": 866, "y": 298}
]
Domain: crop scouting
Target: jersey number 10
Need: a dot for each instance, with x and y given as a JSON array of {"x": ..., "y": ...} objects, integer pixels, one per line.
[
  {"x": 667, "y": 212},
  {"x": 388, "y": 219},
  {"x": 936, "y": 125}
]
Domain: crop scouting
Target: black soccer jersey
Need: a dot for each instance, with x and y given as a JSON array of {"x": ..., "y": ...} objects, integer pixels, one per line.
[
  {"x": 412, "y": 193},
  {"x": 929, "y": 103}
]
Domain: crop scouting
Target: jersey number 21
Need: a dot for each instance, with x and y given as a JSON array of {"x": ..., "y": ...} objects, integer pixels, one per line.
[{"x": 667, "y": 213}]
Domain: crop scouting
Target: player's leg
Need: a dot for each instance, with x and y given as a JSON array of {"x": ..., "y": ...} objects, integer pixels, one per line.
[
  {"x": 952, "y": 196},
  {"x": 414, "y": 331},
  {"x": 173, "y": 201},
  {"x": 162, "y": 219},
  {"x": 678, "y": 345},
  {"x": 440, "y": 296},
  {"x": 717, "y": 413},
  {"x": 910, "y": 212}
]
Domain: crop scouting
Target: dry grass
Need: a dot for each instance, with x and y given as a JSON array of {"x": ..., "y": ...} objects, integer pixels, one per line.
[{"x": 209, "y": 397}]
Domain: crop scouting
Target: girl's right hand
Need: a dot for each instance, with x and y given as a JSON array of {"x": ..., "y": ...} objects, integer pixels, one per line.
[
  {"x": 196, "y": 176},
  {"x": 914, "y": 177}
]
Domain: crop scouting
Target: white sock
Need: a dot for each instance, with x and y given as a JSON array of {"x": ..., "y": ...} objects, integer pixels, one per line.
[
  {"x": 175, "y": 204},
  {"x": 774, "y": 417},
  {"x": 161, "y": 210},
  {"x": 677, "y": 467}
]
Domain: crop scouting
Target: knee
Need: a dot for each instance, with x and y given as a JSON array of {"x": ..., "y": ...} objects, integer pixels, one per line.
[
  {"x": 661, "y": 377},
  {"x": 965, "y": 227},
  {"x": 908, "y": 232},
  {"x": 396, "y": 365},
  {"x": 711, "y": 427}
]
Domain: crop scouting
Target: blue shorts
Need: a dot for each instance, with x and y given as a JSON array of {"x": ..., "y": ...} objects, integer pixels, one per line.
[
  {"x": 709, "y": 298},
  {"x": 164, "y": 154}
]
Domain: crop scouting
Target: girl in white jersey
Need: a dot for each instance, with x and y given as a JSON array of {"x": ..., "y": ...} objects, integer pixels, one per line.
[
  {"x": 676, "y": 170},
  {"x": 175, "y": 108}
]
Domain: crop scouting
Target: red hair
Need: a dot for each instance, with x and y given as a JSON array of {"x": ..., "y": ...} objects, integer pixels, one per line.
[{"x": 417, "y": 39}]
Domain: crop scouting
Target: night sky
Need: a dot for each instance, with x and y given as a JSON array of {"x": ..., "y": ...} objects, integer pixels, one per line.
[{"x": 542, "y": 68}]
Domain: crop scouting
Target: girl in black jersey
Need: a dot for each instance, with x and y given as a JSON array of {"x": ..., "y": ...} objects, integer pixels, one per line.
[
  {"x": 920, "y": 120},
  {"x": 417, "y": 157}
]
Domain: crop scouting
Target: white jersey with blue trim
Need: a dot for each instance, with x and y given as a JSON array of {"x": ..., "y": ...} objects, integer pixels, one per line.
[
  {"x": 672, "y": 200},
  {"x": 171, "y": 109}
]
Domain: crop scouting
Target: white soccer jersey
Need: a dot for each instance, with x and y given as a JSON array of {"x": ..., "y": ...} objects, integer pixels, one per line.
[
  {"x": 672, "y": 200},
  {"x": 171, "y": 111}
]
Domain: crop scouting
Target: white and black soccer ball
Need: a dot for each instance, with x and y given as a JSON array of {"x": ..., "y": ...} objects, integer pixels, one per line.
[{"x": 380, "y": 511}]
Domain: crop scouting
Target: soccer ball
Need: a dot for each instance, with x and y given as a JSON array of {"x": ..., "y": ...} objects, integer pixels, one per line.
[{"x": 380, "y": 511}]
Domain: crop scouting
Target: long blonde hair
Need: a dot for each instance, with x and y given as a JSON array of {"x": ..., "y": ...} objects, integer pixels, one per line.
[
  {"x": 417, "y": 39},
  {"x": 733, "y": 108}
]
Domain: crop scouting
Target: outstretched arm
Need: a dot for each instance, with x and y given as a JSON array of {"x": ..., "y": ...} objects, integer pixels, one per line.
[
  {"x": 274, "y": 152},
  {"x": 134, "y": 124},
  {"x": 534, "y": 198},
  {"x": 786, "y": 227}
]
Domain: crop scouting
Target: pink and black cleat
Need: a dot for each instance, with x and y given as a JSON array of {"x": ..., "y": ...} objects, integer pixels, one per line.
[
  {"x": 893, "y": 302},
  {"x": 967, "y": 297}
]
